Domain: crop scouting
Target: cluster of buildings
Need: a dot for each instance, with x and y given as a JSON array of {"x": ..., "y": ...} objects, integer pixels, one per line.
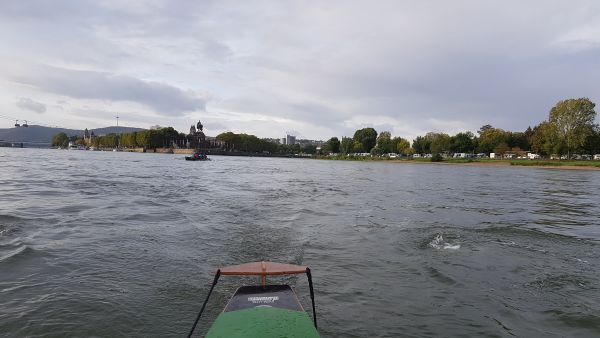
[
  {"x": 292, "y": 140},
  {"x": 288, "y": 140}
]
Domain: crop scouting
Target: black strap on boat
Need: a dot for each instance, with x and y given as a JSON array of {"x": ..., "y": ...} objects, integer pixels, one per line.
[
  {"x": 217, "y": 275},
  {"x": 312, "y": 295}
]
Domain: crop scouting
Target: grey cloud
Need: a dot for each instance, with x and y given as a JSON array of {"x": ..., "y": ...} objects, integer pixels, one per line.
[
  {"x": 162, "y": 98},
  {"x": 29, "y": 104},
  {"x": 214, "y": 126},
  {"x": 464, "y": 63}
]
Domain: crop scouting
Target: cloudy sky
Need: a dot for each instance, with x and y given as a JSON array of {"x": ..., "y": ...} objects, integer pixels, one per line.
[{"x": 317, "y": 69}]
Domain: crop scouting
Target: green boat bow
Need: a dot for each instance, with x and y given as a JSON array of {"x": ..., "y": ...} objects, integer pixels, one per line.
[
  {"x": 266, "y": 322},
  {"x": 265, "y": 311}
]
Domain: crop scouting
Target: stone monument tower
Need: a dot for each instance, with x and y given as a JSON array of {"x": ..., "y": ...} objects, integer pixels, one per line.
[{"x": 196, "y": 137}]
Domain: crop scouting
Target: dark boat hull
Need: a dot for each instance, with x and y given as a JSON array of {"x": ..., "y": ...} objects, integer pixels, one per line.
[{"x": 191, "y": 158}]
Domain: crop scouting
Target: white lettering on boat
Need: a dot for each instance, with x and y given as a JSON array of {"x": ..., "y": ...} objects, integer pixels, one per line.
[{"x": 263, "y": 300}]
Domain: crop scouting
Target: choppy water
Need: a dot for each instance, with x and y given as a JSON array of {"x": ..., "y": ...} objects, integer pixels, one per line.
[{"x": 125, "y": 245}]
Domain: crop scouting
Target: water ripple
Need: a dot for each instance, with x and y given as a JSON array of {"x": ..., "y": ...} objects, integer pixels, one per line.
[{"x": 396, "y": 250}]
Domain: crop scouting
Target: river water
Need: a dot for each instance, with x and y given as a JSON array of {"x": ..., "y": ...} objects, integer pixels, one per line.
[{"x": 125, "y": 245}]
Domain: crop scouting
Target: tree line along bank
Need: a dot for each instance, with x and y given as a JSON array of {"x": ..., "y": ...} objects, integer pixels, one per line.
[
  {"x": 171, "y": 138},
  {"x": 569, "y": 129}
]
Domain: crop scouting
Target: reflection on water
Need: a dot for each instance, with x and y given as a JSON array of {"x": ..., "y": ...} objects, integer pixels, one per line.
[{"x": 416, "y": 250}]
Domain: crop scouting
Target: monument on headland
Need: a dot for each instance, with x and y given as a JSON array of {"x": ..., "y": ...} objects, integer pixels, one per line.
[
  {"x": 198, "y": 140},
  {"x": 196, "y": 137},
  {"x": 157, "y": 138}
]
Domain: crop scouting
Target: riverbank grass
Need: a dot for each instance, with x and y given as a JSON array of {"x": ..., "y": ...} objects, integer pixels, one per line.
[
  {"x": 555, "y": 163},
  {"x": 523, "y": 162}
]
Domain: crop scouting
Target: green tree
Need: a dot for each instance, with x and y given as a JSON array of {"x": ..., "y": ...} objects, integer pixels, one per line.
[
  {"x": 518, "y": 140},
  {"x": 501, "y": 148},
  {"x": 485, "y": 128},
  {"x": 168, "y": 135},
  {"x": 543, "y": 139},
  {"x": 384, "y": 143},
  {"x": 107, "y": 141},
  {"x": 528, "y": 134},
  {"x": 573, "y": 120},
  {"x": 347, "y": 145},
  {"x": 440, "y": 142},
  {"x": 358, "y": 147},
  {"x": 463, "y": 142},
  {"x": 249, "y": 143},
  {"x": 309, "y": 149},
  {"x": 490, "y": 138},
  {"x": 592, "y": 143},
  {"x": 400, "y": 145},
  {"x": 436, "y": 157},
  {"x": 252, "y": 144},
  {"x": 60, "y": 140},
  {"x": 226, "y": 137},
  {"x": 128, "y": 140},
  {"x": 155, "y": 138},
  {"x": 142, "y": 138},
  {"x": 332, "y": 145},
  {"x": 367, "y": 137},
  {"x": 421, "y": 145}
]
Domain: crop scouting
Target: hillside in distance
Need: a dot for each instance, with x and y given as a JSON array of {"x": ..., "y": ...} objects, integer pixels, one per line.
[{"x": 41, "y": 134}]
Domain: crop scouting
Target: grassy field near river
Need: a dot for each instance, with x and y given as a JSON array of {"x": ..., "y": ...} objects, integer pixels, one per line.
[{"x": 559, "y": 164}]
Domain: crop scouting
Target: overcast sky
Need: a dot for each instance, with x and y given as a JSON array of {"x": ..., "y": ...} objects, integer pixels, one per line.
[{"x": 317, "y": 69}]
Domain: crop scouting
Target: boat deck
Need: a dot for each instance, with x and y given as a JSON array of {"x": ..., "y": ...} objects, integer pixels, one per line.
[{"x": 269, "y": 311}]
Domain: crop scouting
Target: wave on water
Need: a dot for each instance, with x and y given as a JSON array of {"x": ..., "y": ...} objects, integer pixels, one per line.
[
  {"x": 10, "y": 245},
  {"x": 3, "y": 230},
  {"x": 9, "y": 219},
  {"x": 19, "y": 250},
  {"x": 563, "y": 281},
  {"x": 8, "y": 224},
  {"x": 439, "y": 243}
]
